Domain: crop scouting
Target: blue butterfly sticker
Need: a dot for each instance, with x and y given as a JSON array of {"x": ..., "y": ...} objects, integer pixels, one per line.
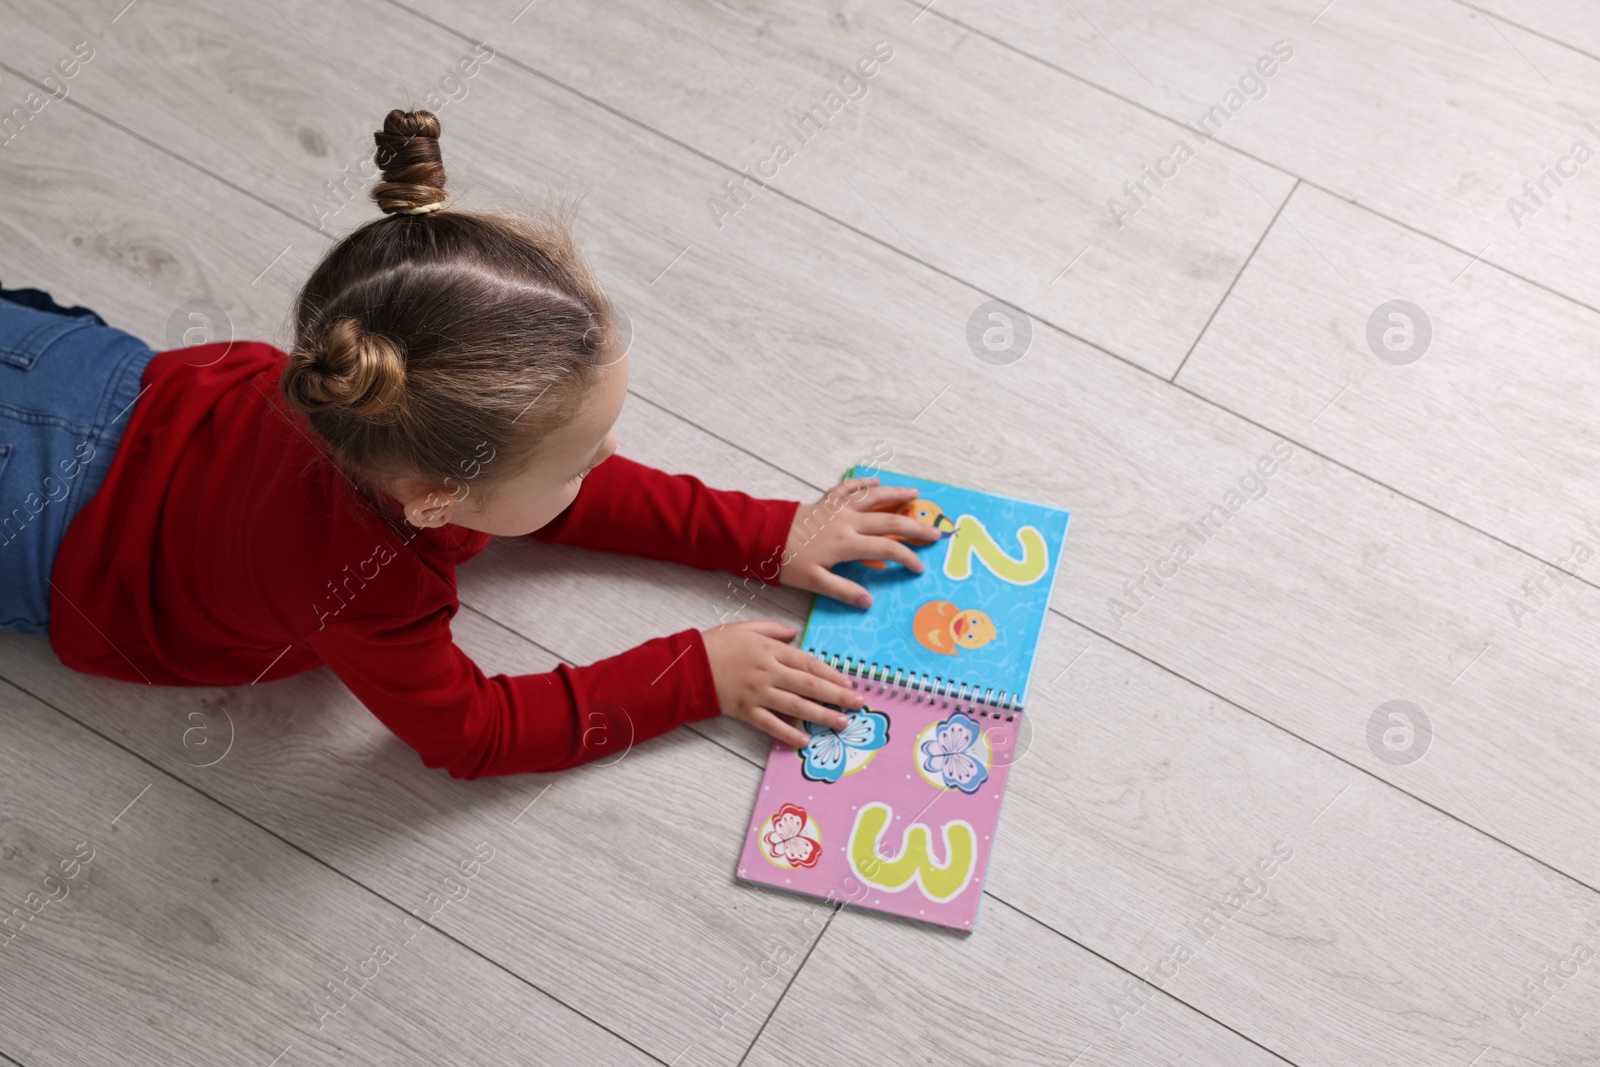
[
  {"x": 956, "y": 755},
  {"x": 830, "y": 754}
]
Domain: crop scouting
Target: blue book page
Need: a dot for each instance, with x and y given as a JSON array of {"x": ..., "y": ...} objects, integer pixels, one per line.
[{"x": 975, "y": 615}]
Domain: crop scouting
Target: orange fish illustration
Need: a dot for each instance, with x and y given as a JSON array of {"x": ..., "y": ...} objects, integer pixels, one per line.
[
  {"x": 942, "y": 627},
  {"x": 925, "y": 512}
]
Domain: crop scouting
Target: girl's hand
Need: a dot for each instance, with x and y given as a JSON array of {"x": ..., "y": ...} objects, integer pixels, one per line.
[
  {"x": 853, "y": 520},
  {"x": 760, "y": 677}
]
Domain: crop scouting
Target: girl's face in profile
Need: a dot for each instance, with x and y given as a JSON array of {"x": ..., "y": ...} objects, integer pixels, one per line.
[{"x": 536, "y": 495}]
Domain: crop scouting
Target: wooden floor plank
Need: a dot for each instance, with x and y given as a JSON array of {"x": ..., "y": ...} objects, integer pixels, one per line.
[
  {"x": 1363, "y": 927},
  {"x": 305, "y": 86},
  {"x": 157, "y": 248},
  {"x": 1569, "y": 22},
  {"x": 1008, "y": 188},
  {"x": 1484, "y": 416},
  {"x": 1375, "y": 105},
  {"x": 1014, "y": 994},
  {"x": 178, "y": 932},
  {"x": 612, "y": 890}
]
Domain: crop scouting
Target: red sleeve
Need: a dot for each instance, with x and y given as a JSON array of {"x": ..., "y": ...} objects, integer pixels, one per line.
[
  {"x": 637, "y": 510},
  {"x": 417, "y": 681}
]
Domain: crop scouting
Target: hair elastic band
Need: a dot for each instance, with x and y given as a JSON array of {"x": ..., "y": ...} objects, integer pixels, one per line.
[{"x": 423, "y": 210}]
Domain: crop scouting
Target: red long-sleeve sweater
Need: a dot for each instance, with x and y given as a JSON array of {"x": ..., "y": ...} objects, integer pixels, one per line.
[{"x": 224, "y": 549}]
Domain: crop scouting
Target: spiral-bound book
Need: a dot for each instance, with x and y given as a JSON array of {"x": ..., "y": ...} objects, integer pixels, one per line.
[{"x": 897, "y": 811}]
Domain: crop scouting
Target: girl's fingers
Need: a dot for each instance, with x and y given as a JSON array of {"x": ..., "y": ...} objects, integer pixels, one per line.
[
  {"x": 778, "y": 631},
  {"x": 800, "y": 660},
  {"x": 804, "y": 661},
  {"x": 841, "y": 589},
  {"x": 886, "y": 496},
  {"x": 855, "y": 488},
  {"x": 884, "y": 548},
  {"x": 786, "y": 703},
  {"x": 911, "y": 528},
  {"x": 784, "y": 731},
  {"x": 883, "y": 522},
  {"x": 806, "y": 684}
]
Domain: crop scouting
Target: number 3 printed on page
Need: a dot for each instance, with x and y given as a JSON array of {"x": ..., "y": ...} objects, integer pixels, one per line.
[{"x": 915, "y": 862}]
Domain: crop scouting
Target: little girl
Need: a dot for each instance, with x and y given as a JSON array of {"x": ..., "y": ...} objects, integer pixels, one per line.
[{"x": 229, "y": 514}]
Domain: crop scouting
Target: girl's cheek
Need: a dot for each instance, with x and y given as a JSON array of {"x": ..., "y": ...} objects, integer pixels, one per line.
[
  {"x": 555, "y": 505},
  {"x": 551, "y": 507}
]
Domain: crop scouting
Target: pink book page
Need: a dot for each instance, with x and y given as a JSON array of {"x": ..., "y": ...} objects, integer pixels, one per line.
[{"x": 896, "y": 812}]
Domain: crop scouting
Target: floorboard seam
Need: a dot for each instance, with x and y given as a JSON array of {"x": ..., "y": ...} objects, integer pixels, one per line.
[
  {"x": 321, "y": 863},
  {"x": 792, "y": 978},
  {"x": 1175, "y": 999},
  {"x": 1331, "y": 754},
  {"x": 1246, "y": 154},
  {"x": 1243, "y": 267},
  {"x": 1528, "y": 30}
]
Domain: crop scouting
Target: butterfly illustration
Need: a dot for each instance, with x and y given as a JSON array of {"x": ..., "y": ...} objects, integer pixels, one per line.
[
  {"x": 831, "y": 753},
  {"x": 955, "y": 755},
  {"x": 787, "y": 841}
]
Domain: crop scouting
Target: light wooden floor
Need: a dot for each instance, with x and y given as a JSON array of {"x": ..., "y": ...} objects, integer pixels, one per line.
[{"x": 1442, "y": 911}]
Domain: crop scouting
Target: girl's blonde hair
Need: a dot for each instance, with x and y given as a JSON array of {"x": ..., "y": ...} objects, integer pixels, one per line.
[{"x": 445, "y": 346}]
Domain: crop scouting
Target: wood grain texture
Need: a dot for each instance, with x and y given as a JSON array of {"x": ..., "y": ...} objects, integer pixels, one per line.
[
  {"x": 1427, "y": 112},
  {"x": 1575, "y": 25},
  {"x": 612, "y": 890},
  {"x": 191, "y": 935},
  {"x": 1006, "y": 188},
  {"x": 147, "y": 242},
  {"x": 1488, "y": 423},
  {"x": 280, "y": 99},
  {"x": 1142, "y": 802},
  {"x": 1012, "y": 994},
  {"x": 959, "y": 152}
]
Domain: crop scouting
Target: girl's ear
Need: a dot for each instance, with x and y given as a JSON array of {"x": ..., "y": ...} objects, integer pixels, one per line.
[{"x": 430, "y": 510}]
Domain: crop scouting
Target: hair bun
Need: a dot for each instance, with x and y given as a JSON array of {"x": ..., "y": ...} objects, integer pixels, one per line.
[
  {"x": 408, "y": 155},
  {"x": 359, "y": 373}
]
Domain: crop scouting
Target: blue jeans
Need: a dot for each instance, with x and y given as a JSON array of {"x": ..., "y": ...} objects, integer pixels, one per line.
[{"x": 68, "y": 383}]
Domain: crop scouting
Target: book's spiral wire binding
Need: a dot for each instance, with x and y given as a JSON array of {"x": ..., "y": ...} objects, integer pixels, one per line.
[{"x": 988, "y": 704}]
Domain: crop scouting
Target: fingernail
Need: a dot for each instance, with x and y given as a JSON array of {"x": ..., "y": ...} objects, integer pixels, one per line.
[
  {"x": 863, "y": 601},
  {"x": 841, "y": 722}
]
